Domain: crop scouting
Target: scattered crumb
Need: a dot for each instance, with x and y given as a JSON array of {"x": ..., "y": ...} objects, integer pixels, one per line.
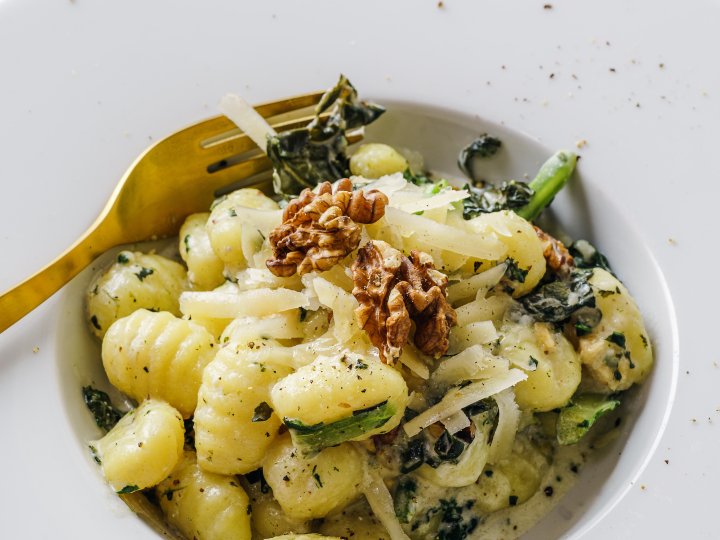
[
  {"x": 582, "y": 143},
  {"x": 503, "y": 66},
  {"x": 36, "y": 349},
  {"x": 661, "y": 65},
  {"x": 672, "y": 241},
  {"x": 642, "y": 487},
  {"x": 637, "y": 105},
  {"x": 440, "y": 4},
  {"x": 548, "y": 6},
  {"x": 552, "y": 75},
  {"x": 693, "y": 420},
  {"x": 613, "y": 70},
  {"x": 667, "y": 462}
]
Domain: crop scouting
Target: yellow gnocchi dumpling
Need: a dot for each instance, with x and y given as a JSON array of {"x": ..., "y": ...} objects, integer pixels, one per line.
[
  {"x": 524, "y": 248},
  {"x": 552, "y": 365},
  {"x": 156, "y": 355},
  {"x": 374, "y": 160},
  {"x": 203, "y": 505},
  {"x": 312, "y": 487},
  {"x": 234, "y": 423},
  {"x": 512, "y": 481},
  {"x": 268, "y": 518},
  {"x": 205, "y": 269},
  {"x": 335, "y": 388},
  {"x": 617, "y": 353},
  {"x": 225, "y": 225},
  {"x": 143, "y": 447},
  {"x": 135, "y": 281},
  {"x": 357, "y": 522}
]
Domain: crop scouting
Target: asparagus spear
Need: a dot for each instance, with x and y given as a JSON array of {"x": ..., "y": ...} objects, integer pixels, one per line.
[{"x": 550, "y": 179}]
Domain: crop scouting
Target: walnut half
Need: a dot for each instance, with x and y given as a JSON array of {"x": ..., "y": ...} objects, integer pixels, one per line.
[
  {"x": 320, "y": 229},
  {"x": 393, "y": 291}
]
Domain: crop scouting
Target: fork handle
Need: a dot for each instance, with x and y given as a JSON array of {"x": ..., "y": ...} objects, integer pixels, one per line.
[{"x": 20, "y": 300}]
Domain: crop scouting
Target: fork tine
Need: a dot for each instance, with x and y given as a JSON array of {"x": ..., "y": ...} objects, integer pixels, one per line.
[
  {"x": 236, "y": 142},
  {"x": 219, "y": 124}
]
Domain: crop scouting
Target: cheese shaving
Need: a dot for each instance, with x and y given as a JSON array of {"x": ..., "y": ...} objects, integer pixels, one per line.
[
  {"x": 508, "y": 422},
  {"x": 247, "y": 119},
  {"x": 459, "y": 398},
  {"x": 381, "y": 503}
]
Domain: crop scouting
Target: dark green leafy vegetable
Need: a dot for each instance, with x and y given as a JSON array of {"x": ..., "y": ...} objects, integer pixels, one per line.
[
  {"x": 312, "y": 439},
  {"x": 305, "y": 157},
  {"x": 486, "y": 198},
  {"x": 617, "y": 338},
  {"x": 404, "y": 500},
  {"x": 586, "y": 255},
  {"x": 550, "y": 179},
  {"x": 514, "y": 272},
  {"x": 576, "y": 419},
  {"x": 448, "y": 447},
  {"x": 106, "y": 416},
  {"x": 413, "y": 456},
  {"x": 420, "y": 179},
  {"x": 453, "y": 524},
  {"x": 557, "y": 300},
  {"x": 483, "y": 147},
  {"x": 122, "y": 258}
]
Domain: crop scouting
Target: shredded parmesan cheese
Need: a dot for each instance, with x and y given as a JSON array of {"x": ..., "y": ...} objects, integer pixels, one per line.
[
  {"x": 456, "y": 422},
  {"x": 230, "y": 305},
  {"x": 381, "y": 503},
  {"x": 247, "y": 118},
  {"x": 472, "y": 363},
  {"x": 445, "y": 237},
  {"x": 460, "y": 398},
  {"x": 508, "y": 422}
]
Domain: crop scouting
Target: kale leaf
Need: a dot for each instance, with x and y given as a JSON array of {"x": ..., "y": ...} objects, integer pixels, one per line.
[
  {"x": 305, "y": 157},
  {"x": 484, "y": 146},
  {"x": 485, "y": 197},
  {"x": 557, "y": 300},
  {"x": 106, "y": 416},
  {"x": 586, "y": 255}
]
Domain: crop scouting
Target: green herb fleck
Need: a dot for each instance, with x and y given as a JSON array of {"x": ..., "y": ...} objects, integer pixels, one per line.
[
  {"x": 186, "y": 241},
  {"x": 316, "y": 476},
  {"x": 303, "y": 314},
  {"x": 95, "y": 323},
  {"x": 513, "y": 500},
  {"x": 532, "y": 362},
  {"x": 128, "y": 489},
  {"x": 617, "y": 338},
  {"x": 122, "y": 258},
  {"x": 262, "y": 412},
  {"x": 144, "y": 272},
  {"x": 514, "y": 272}
]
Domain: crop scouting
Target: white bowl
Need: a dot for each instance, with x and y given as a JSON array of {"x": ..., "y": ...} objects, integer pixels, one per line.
[{"x": 582, "y": 210}]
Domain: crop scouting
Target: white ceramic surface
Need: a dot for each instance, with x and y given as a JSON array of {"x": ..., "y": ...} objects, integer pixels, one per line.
[{"x": 86, "y": 86}]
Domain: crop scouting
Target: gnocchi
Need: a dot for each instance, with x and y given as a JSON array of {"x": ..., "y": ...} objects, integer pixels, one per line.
[
  {"x": 157, "y": 355},
  {"x": 135, "y": 281},
  {"x": 204, "y": 505},
  {"x": 143, "y": 448}
]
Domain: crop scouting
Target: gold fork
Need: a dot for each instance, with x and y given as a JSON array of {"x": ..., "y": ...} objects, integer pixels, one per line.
[{"x": 172, "y": 179}]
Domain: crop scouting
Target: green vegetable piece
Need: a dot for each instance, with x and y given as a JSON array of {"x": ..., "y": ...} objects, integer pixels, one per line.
[
  {"x": 305, "y": 157},
  {"x": 486, "y": 198},
  {"x": 128, "y": 489},
  {"x": 106, "y": 416},
  {"x": 550, "y": 179},
  {"x": 585, "y": 255},
  {"x": 557, "y": 300},
  {"x": 575, "y": 420},
  {"x": 311, "y": 439},
  {"x": 404, "y": 500},
  {"x": 483, "y": 147}
]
